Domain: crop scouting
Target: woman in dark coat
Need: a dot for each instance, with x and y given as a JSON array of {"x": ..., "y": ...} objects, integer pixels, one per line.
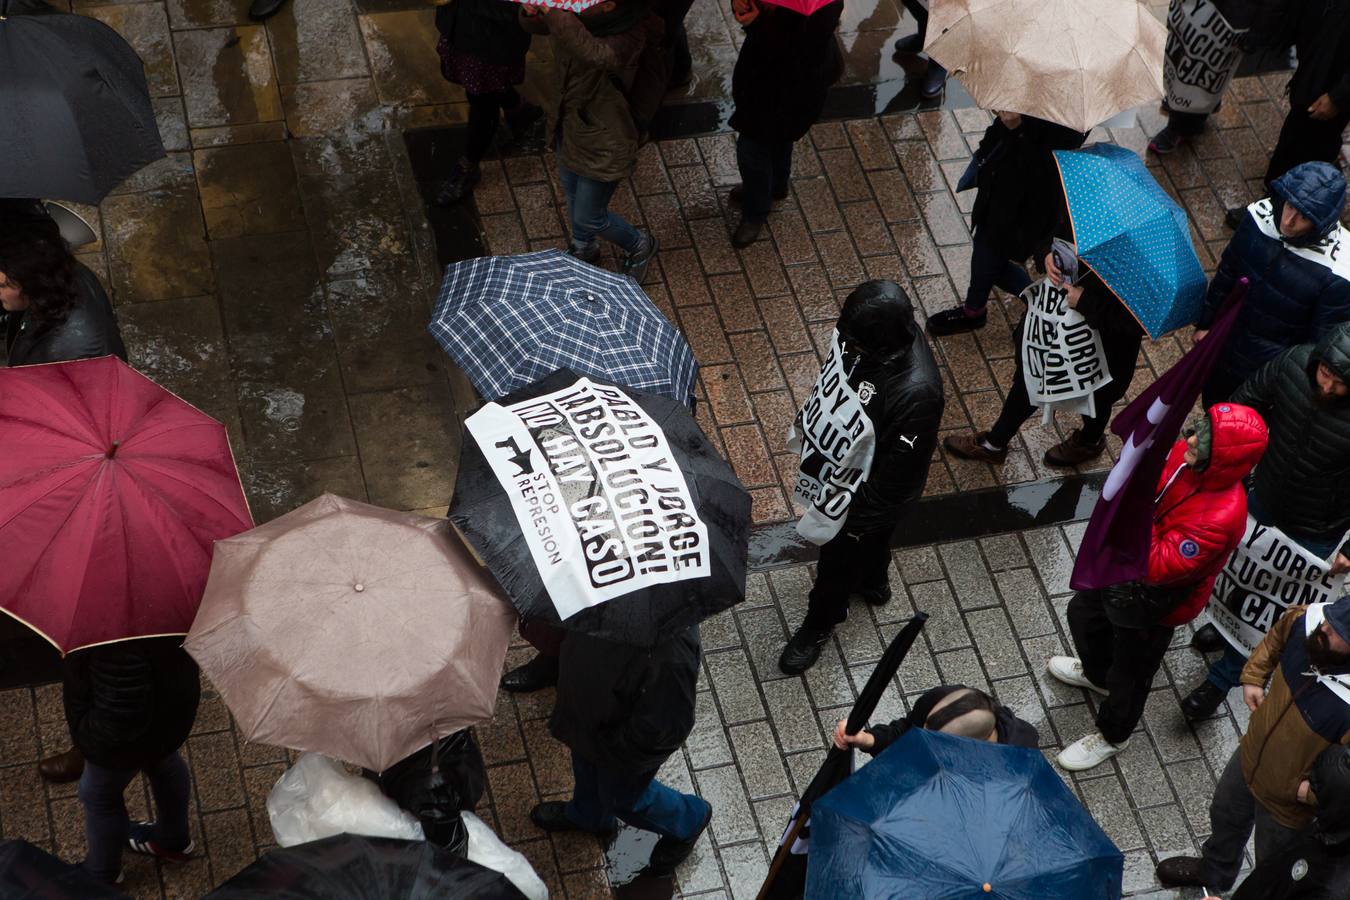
[{"x": 786, "y": 66}]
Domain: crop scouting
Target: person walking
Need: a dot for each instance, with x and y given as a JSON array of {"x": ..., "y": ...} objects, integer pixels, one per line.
[
  {"x": 1293, "y": 251},
  {"x": 482, "y": 48},
  {"x": 130, "y": 706},
  {"x": 892, "y": 369},
  {"x": 1121, "y": 632},
  {"x": 950, "y": 709},
  {"x": 596, "y": 56},
  {"x": 623, "y": 711},
  {"x": 784, "y": 70},
  {"x": 934, "y": 76},
  {"x": 1306, "y": 660},
  {"x": 1301, "y": 487},
  {"x": 1016, "y": 210}
]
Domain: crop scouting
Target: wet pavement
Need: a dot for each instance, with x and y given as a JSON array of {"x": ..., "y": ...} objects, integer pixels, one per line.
[{"x": 278, "y": 269}]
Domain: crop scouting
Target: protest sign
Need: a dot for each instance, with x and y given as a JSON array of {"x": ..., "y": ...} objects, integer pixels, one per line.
[
  {"x": 1062, "y": 357},
  {"x": 1264, "y": 576},
  {"x": 836, "y": 440},
  {"x": 602, "y": 504},
  {"x": 1332, "y": 250},
  {"x": 1201, "y": 56}
]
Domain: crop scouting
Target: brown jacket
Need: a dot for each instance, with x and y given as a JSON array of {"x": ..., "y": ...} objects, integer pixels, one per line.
[
  {"x": 588, "y": 116},
  {"x": 1298, "y": 720}
]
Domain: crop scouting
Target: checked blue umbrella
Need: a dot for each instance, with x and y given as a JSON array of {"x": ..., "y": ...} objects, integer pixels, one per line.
[
  {"x": 510, "y": 320},
  {"x": 1132, "y": 235}
]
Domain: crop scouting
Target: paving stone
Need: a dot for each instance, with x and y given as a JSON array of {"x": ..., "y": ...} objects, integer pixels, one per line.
[
  {"x": 1105, "y": 799},
  {"x": 314, "y": 40},
  {"x": 156, "y": 246},
  {"x": 961, "y": 667},
  {"x": 759, "y": 760},
  {"x": 746, "y": 865},
  {"x": 791, "y": 714},
  {"x": 828, "y": 680},
  {"x": 707, "y": 743},
  {"x": 227, "y": 76},
  {"x": 999, "y": 646},
  {"x": 969, "y": 575},
  {"x": 735, "y": 686},
  {"x": 732, "y": 819},
  {"x": 1166, "y": 830},
  {"x": 1025, "y": 602}
]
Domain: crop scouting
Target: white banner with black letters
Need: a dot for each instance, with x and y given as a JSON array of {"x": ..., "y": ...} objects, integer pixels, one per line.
[
  {"x": 1062, "y": 357},
  {"x": 1332, "y": 250},
  {"x": 1268, "y": 573},
  {"x": 1202, "y": 54},
  {"x": 597, "y": 492}
]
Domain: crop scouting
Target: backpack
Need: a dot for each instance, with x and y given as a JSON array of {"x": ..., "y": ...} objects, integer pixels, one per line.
[{"x": 647, "y": 91}]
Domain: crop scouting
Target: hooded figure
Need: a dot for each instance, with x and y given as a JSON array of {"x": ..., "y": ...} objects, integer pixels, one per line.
[
  {"x": 1299, "y": 277},
  {"x": 891, "y": 370}
]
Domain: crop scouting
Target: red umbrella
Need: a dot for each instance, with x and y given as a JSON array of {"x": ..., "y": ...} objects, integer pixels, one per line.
[{"x": 112, "y": 491}]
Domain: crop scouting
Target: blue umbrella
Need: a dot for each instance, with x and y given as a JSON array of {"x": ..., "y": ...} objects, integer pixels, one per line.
[
  {"x": 510, "y": 320},
  {"x": 950, "y": 818},
  {"x": 1132, "y": 235}
]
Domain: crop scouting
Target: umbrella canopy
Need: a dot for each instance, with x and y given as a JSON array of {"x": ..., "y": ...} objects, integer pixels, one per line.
[
  {"x": 29, "y": 873},
  {"x": 76, "y": 109},
  {"x": 351, "y": 867},
  {"x": 950, "y": 818},
  {"x": 112, "y": 491},
  {"x": 510, "y": 320},
  {"x": 602, "y": 510},
  {"x": 1132, "y": 235},
  {"x": 352, "y": 630},
  {"x": 1075, "y": 62}
]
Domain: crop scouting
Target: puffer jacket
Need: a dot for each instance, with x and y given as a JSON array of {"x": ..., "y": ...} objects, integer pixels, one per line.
[
  {"x": 1298, "y": 719},
  {"x": 1290, "y": 300},
  {"x": 784, "y": 71},
  {"x": 1304, "y": 482},
  {"x": 1199, "y": 517},
  {"x": 906, "y": 400},
  {"x": 89, "y": 330}
]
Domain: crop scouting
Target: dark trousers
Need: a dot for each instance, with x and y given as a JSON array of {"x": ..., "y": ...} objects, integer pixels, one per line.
[
  {"x": 1232, "y": 815},
  {"x": 675, "y": 41},
  {"x": 484, "y": 112},
  {"x": 766, "y": 167},
  {"x": 1305, "y": 139},
  {"x": 849, "y": 563},
  {"x": 990, "y": 268},
  {"x": 1187, "y": 124},
  {"x": 1121, "y": 659},
  {"x": 602, "y": 795},
  {"x": 545, "y": 638},
  {"x": 920, "y": 14},
  {"x": 106, "y": 824}
]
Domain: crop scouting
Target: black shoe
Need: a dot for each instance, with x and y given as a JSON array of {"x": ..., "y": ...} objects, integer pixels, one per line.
[
  {"x": 734, "y": 197},
  {"x": 1166, "y": 141},
  {"x": 463, "y": 176},
  {"x": 551, "y": 815},
  {"x": 746, "y": 233},
  {"x": 1202, "y": 702},
  {"x": 535, "y": 675},
  {"x": 587, "y": 254},
  {"x": 876, "y": 596},
  {"x": 934, "y": 82},
  {"x": 955, "y": 321},
  {"x": 910, "y": 43},
  {"x": 264, "y": 9},
  {"x": 1184, "y": 871},
  {"x": 669, "y": 852},
  {"x": 1208, "y": 640},
  {"x": 1233, "y": 218},
  {"x": 636, "y": 263},
  {"x": 803, "y": 649}
]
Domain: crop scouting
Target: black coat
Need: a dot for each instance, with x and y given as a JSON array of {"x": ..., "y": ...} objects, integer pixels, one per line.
[
  {"x": 785, "y": 68},
  {"x": 1321, "y": 36},
  {"x": 89, "y": 330},
  {"x": 1323, "y": 873},
  {"x": 625, "y": 708},
  {"x": 131, "y": 703},
  {"x": 487, "y": 29},
  {"x": 1011, "y": 730}
]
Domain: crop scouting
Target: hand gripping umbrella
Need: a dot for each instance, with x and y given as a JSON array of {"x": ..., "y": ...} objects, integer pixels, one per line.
[{"x": 602, "y": 510}]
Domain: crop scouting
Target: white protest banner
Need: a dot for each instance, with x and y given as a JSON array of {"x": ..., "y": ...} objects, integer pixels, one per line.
[
  {"x": 1062, "y": 357},
  {"x": 1268, "y": 573},
  {"x": 1331, "y": 251},
  {"x": 600, "y": 499},
  {"x": 1201, "y": 56},
  {"x": 836, "y": 440}
]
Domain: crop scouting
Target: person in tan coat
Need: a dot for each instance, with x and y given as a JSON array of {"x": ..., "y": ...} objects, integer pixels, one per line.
[{"x": 1306, "y": 660}]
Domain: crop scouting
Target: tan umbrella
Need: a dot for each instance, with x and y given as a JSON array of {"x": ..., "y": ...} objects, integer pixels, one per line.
[
  {"x": 356, "y": 631},
  {"x": 1075, "y": 62}
]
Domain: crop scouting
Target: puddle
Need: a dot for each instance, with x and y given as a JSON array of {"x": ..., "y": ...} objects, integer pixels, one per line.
[{"x": 627, "y": 854}]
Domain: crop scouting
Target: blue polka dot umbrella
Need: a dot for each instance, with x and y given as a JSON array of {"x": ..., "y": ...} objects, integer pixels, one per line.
[
  {"x": 1132, "y": 235},
  {"x": 510, "y": 320}
]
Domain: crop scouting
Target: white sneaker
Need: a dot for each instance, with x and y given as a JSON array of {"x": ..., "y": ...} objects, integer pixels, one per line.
[
  {"x": 1089, "y": 752},
  {"x": 1069, "y": 669}
]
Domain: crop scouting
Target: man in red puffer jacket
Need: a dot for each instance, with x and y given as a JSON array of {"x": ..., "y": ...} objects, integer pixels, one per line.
[{"x": 1122, "y": 632}]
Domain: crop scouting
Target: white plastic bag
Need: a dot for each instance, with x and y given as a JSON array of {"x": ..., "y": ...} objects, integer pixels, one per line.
[
  {"x": 317, "y": 798},
  {"x": 486, "y": 849}
]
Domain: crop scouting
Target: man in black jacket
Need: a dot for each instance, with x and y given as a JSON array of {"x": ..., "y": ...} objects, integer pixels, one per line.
[
  {"x": 623, "y": 711},
  {"x": 892, "y": 372},
  {"x": 951, "y": 709}
]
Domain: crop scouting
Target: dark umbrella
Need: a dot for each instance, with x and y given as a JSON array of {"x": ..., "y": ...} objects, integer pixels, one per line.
[
  {"x": 351, "y": 867},
  {"x": 76, "y": 111},
  {"x": 602, "y": 510},
  {"x": 30, "y": 873}
]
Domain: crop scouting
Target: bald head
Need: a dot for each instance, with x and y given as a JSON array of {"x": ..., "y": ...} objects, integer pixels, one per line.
[{"x": 964, "y": 713}]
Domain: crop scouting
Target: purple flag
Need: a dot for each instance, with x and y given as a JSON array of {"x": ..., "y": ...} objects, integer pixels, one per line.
[{"x": 1115, "y": 546}]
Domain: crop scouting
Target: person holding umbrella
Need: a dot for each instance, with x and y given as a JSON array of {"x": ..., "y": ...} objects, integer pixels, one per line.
[{"x": 950, "y": 709}]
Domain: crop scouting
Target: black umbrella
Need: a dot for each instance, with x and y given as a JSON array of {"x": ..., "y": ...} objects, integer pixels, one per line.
[
  {"x": 601, "y": 509},
  {"x": 351, "y": 867},
  {"x": 29, "y": 873},
  {"x": 76, "y": 111}
]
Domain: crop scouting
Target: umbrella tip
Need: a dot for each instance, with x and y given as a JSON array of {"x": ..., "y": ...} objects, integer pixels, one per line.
[
  {"x": 988, "y": 887},
  {"x": 112, "y": 451},
  {"x": 359, "y": 587}
]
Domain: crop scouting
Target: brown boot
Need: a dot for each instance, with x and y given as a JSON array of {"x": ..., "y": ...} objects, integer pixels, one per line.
[
  {"x": 1072, "y": 451},
  {"x": 968, "y": 446},
  {"x": 62, "y": 767}
]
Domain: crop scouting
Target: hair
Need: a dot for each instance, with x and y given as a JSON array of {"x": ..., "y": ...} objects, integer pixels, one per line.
[
  {"x": 964, "y": 713},
  {"x": 36, "y": 259}
]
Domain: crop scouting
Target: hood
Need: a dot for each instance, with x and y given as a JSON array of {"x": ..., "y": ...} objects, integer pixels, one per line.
[
  {"x": 1338, "y": 617},
  {"x": 1330, "y": 781},
  {"x": 878, "y": 321},
  {"x": 1334, "y": 350},
  {"x": 1237, "y": 440},
  {"x": 1315, "y": 189}
]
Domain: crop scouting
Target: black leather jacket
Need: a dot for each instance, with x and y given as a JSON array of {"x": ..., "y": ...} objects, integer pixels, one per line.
[{"x": 89, "y": 330}]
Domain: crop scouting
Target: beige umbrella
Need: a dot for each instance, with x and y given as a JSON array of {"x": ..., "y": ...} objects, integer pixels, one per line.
[
  {"x": 1075, "y": 62},
  {"x": 356, "y": 631}
]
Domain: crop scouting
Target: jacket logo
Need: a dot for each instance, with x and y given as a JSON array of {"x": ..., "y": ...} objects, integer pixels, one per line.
[
  {"x": 909, "y": 441},
  {"x": 865, "y": 392},
  {"x": 1299, "y": 870},
  {"x": 1189, "y": 549}
]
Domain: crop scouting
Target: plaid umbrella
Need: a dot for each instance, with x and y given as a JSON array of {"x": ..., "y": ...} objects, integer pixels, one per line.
[{"x": 510, "y": 320}]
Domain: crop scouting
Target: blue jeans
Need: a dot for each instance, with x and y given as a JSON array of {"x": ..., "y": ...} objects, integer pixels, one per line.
[
  {"x": 990, "y": 267},
  {"x": 599, "y": 797},
  {"x": 766, "y": 167},
  {"x": 106, "y": 824},
  {"x": 588, "y": 208}
]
